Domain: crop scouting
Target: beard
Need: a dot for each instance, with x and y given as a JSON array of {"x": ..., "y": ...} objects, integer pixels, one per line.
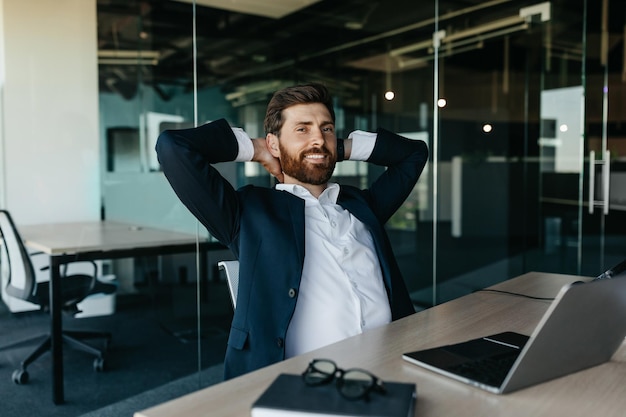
[{"x": 298, "y": 168}]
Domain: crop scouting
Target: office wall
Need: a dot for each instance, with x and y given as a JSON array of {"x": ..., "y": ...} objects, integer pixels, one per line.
[
  {"x": 49, "y": 157},
  {"x": 2, "y": 78},
  {"x": 141, "y": 195}
]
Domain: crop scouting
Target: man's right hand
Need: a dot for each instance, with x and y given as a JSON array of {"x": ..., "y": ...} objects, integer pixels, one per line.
[{"x": 263, "y": 156}]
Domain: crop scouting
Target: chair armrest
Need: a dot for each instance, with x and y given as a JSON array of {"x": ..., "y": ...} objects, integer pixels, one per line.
[{"x": 65, "y": 267}]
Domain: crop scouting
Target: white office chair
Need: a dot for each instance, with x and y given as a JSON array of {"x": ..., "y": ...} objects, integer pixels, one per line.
[
  {"x": 231, "y": 268},
  {"x": 22, "y": 284}
]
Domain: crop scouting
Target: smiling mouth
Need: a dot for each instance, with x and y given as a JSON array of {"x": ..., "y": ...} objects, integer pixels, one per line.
[
  {"x": 316, "y": 159},
  {"x": 318, "y": 156}
]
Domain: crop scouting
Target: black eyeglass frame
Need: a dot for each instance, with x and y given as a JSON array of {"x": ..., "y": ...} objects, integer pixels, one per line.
[{"x": 314, "y": 376}]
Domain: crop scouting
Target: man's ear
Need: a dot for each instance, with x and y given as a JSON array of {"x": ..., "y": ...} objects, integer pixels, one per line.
[{"x": 272, "y": 144}]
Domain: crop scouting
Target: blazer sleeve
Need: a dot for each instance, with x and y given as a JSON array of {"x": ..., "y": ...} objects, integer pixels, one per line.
[
  {"x": 187, "y": 157},
  {"x": 405, "y": 160}
]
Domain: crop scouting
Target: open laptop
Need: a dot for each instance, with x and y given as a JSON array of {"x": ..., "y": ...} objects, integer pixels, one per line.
[{"x": 583, "y": 327}]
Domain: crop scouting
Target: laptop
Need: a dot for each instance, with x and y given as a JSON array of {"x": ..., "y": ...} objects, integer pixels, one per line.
[{"x": 583, "y": 327}]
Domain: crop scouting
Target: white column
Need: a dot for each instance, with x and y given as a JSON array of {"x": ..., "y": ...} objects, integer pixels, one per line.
[{"x": 49, "y": 136}]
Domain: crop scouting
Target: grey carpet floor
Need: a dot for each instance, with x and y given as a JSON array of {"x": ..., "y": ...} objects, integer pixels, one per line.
[
  {"x": 151, "y": 347},
  {"x": 164, "y": 393}
]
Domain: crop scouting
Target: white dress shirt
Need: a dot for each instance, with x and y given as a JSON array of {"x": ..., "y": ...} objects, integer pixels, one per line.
[{"x": 341, "y": 291}]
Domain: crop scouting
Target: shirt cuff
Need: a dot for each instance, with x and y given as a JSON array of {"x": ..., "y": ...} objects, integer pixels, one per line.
[
  {"x": 246, "y": 149},
  {"x": 362, "y": 145}
]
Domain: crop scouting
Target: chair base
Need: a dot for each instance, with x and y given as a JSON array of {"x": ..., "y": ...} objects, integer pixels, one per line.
[{"x": 72, "y": 338}]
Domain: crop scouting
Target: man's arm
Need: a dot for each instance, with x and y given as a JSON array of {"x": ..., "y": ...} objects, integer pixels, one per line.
[
  {"x": 405, "y": 160},
  {"x": 186, "y": 157}
]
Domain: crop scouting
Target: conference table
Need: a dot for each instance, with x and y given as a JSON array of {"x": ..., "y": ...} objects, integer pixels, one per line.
[
  {"x": 96, "y": 240},
  {"x": 597, "y": 391}
]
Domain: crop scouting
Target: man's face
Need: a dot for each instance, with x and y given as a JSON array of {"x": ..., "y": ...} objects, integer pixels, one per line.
[{"x": 308, "y": 144}]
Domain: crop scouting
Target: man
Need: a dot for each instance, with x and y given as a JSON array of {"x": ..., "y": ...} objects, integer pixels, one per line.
[{"x": 315, "y": 263}]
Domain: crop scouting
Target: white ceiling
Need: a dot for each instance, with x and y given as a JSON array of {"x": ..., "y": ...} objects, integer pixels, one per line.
[{"x": 268, "y": 8}]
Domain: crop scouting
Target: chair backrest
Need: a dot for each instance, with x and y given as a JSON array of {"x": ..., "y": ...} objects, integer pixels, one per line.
[
  {"x": 231, "y": 268},
  {"x": 21, "y": 281}
]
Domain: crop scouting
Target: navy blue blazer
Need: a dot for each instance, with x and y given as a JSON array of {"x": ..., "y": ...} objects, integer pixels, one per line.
[{"x": 264, "y": 228}]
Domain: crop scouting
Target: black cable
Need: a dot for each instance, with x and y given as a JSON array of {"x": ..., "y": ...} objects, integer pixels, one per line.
[
  {"x": 613, "y": 272},
  {"x": 516, "y": 294}
]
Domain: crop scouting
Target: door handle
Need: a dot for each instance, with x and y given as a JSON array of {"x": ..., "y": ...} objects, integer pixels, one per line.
[
  {"x": 592, "y": 181},
  {"x": 606, "y": 176}
]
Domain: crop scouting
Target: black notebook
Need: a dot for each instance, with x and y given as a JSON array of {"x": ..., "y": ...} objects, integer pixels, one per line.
[{"x": 288, "y": 395}]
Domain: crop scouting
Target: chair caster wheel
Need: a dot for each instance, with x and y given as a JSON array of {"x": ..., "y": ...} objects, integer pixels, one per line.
[
  {"x": 20, "y": 377},
  {"x": 98, "y": 364}
]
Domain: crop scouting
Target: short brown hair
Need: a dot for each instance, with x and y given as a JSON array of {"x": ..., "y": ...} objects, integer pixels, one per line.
[{"x": 290, "y": 96}]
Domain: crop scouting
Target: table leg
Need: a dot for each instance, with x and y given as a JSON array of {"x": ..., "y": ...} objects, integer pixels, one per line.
[{"x": 56, "y": 328}]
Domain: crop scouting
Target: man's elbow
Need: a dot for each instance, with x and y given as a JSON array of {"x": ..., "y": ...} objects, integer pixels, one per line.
[
  {"x": 163, "y": 141},
  {"x": 164, "y": 147}
]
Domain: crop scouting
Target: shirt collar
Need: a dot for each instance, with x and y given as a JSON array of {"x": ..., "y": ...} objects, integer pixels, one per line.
[{"x": 329, "y": 195}]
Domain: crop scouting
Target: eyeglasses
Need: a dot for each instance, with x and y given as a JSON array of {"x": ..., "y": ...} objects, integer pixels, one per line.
[{"x": 352, "y": 383}]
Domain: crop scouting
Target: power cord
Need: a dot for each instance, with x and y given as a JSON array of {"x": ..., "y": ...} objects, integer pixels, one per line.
[
  {"x": 516, "y": 294},
  {"x": 613, "y": 272}
]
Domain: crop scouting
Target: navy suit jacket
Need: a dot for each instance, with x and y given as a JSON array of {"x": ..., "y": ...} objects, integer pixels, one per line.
[{"x": 264, "y": 228}]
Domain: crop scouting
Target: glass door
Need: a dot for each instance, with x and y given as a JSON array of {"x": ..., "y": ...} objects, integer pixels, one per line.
[
  {"x": 493, "y": 64},
  {"x": 581, "y": 141},
  {"x": 561, "y": 142},
  {"x": 603, "y": 242},
  {"x": 528, "y": 139}
]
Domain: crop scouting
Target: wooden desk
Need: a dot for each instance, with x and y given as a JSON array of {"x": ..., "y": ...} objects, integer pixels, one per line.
[
  {"x": 83, "y": 241},
  {"x": 598, "y": 391}
]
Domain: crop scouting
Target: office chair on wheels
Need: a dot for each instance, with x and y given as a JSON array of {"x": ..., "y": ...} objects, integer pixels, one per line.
[
  {"x": 231, "y": 269},
  {"x": 23, "y": 285}
]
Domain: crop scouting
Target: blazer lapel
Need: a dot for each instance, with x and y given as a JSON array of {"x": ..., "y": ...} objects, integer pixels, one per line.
[
  {"x": 295, "y": 206},
  {"x": 358, "y": 207}
]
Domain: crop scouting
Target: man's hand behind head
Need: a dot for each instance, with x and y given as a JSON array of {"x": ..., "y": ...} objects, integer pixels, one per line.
[{"x": 263, "y": 156}]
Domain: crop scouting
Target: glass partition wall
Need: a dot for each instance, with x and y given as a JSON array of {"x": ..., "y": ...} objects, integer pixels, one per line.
[
  {"x": 527, "y": 141},
  {"x": 521, "y": 103},
  {"x": 602, "y": 215},
  {"x": 187, "y": 308},
  {"x": 493, "y": 61}
]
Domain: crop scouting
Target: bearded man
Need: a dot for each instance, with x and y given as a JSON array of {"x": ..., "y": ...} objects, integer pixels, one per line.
[{"x": 315, "y": 263}]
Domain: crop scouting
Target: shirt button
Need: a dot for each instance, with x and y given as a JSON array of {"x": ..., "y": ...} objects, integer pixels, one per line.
[
  {"x": 280, "y": 342},
  {"x": 333, "y": 223},
  {"x": 292, "y": 292},
  {"x": 346, "y": 251}
]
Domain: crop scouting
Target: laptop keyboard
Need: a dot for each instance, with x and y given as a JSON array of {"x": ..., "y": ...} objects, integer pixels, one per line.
[{"x": 490, "y": 371}]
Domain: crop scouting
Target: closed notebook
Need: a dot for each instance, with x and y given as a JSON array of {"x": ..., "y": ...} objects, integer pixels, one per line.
[{"x": 288, "y": 395}]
